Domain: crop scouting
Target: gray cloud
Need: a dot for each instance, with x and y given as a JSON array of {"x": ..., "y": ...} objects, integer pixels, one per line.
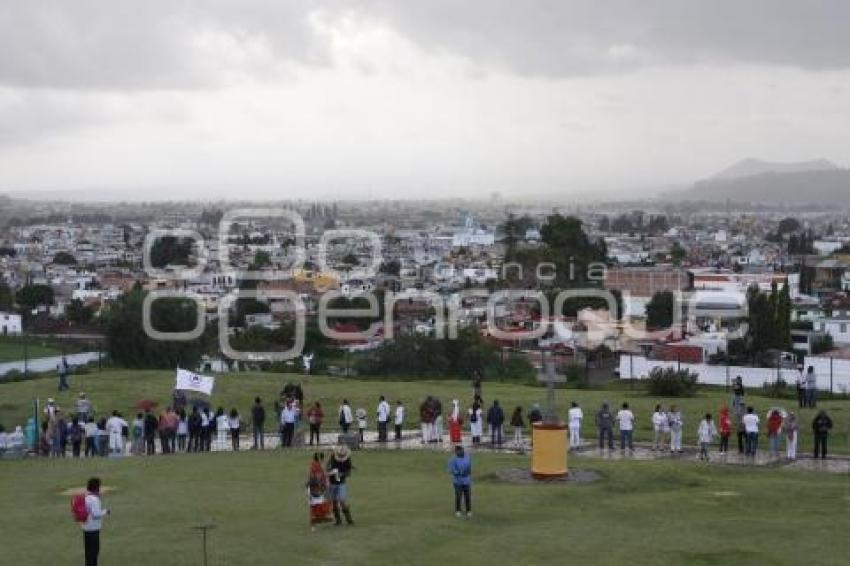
[
  {"x": 157, "y": 44},
  {"x": 552, "y": 37}
]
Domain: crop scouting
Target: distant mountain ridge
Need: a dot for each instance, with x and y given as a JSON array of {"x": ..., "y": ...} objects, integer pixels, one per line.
[
  {"x": 749, "y": 167},
  {"x": 818, "y": 182}
]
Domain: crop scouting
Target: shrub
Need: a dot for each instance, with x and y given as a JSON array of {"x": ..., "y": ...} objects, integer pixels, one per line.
[
  {"x": 777, "y": 389},
  {"x": 669, "y": 382}
]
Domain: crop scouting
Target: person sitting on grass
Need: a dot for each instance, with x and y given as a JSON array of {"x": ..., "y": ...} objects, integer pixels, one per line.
[{"x": 460, "y": 467}]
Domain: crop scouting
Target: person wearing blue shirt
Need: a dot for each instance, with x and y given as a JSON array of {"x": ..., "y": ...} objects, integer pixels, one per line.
[{"x": 460, "y": 467}]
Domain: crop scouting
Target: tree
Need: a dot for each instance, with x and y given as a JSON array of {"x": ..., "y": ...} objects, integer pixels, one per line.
[
  {"x": 130, "y": 346},
  {"x": 171, "y": 250},
  {"x": 7, "y": 300},
  {"x": 788, "y": 226},
  {"x": 64, "y": 258},
  {"x": 569, "y": 248},
  {"x": 261, "y": 259},
  {"x": 677, "y": 253},
  {"x": 30, "y": 297},
  {"x": 78, "y": 312},
  {"x": 659, "y": 310}
]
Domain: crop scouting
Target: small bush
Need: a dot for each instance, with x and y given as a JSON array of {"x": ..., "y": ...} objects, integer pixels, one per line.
[
  {"x": 777, "y": 389},
  {"x": 669, "y": 382}
]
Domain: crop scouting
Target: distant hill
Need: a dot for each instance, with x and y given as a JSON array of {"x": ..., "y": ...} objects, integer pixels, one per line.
[
  {"x": 819, "y": 182},
  {"x": 750, "y": 167}
]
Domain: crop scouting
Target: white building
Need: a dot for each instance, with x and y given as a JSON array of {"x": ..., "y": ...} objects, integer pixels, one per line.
[{"x": 10, "y": 324}]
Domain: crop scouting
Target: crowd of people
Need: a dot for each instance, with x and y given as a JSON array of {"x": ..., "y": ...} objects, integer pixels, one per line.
[{"x": 196, "y": 427}]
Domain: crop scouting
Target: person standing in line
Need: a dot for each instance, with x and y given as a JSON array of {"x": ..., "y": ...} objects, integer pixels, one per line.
[
  {"x": 207, "y": 425},
  {"x": 821, "y": 426},
  {"x": 182, "y": 430},
  {"x": 659, "y": 424},
  {"x": 706, "y": 433},
  {"x": 195, "y": 430},
  {"x": 95, "y": 513},
  {"x": 361, "y": 414},
  {"x": 345, "y": 416},
  {"x": 626, "y": 422},
  {"x": 518, "y": 424},
  {"x": 476, "y": 423},
  {"x": 114, "y": 426},
  {"x": 427, "y": 414},
  {"x": 60, "y": 437},
  {"x": 811, "y": 388},
  {"x": 460, "y": 468},
  {"x": 438, "y": 421},
  {"x": 84, "y": 408},
  {"x": 288, "y": 418},
  {"x": 725, "y": 429},
  {"x": 535, "y": 415},
  {"x": 677, "y": 424},
  {"x": 91, "y": 438},
  {"x": 76, "y": 433},
  {"x": 150, "y": 433},
  {"x": 258, "y": 421},
  {"x": 222, "y": 428},
  {"x": 574, "y": 418},
  {"x": 774, "y": 430},
  {"x": 495, "y": 420},
  {"x": 801, "y": 389},
  {"x": 102, "y": 438},
  {"x": 399, "y": 419},
  {"x": 315, "y": 416},
  {"x": 383, "y": 415},
  {"x": 751, "y": 428},
  {"x": 339, "y": 469},
  {"x": 605, "y": 426},
  {"x": 740, "y": 431},
  {"x": 791, "y": 430},
  {"x": 235, "y": 424},
  {"x": 455, "y": 423}
]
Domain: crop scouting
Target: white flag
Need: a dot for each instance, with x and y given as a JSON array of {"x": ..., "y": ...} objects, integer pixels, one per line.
[{"x": 194, "y": 382}]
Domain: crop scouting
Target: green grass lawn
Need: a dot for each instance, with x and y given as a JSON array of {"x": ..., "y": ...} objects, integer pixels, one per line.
[
  {"x": 12, "y": 349},
  {"x": 657, "y": 512},
  {"x": 121, "y": 389}
]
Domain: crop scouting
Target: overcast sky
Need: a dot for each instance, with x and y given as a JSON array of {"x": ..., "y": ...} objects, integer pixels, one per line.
[{"x": 402, "y": 98}]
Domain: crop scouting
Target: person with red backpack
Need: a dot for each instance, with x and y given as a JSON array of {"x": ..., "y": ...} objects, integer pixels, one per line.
[{"x": 87, "y": 510}]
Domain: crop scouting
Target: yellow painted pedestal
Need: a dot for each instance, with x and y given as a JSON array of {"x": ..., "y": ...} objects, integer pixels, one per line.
[{"x": 549, "y": 451}]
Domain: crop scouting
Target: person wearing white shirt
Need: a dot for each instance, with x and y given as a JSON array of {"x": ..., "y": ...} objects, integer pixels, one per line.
[
  {"x": 288, "y": 418},
  {"x": 676, "y": 424},
  {"x": 222, "y": 428},
  {"x": 346, "y": 417},
  {"x": 751, "y": 429},
  {"x": 575, "y": 417},
  {"x": 659, "y": 427},
  {"x": 706, "y": 433},
  {"x": 115, "y": 428},
  {"x": 626, "y": 420},
  {"x": 94, "y": 521},
  {"x": 383, "y": 419},
  {"x": 399, "y": 419}
]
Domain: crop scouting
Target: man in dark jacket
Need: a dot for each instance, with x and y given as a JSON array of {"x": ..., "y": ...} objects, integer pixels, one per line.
[
  {"x": 495, "y": 419},
  {"x": 821, "y": 427},
  {"x": 258, "y": 419},
  {"x": 150, "y": 426},
  {"x": 605, "y": 425}
]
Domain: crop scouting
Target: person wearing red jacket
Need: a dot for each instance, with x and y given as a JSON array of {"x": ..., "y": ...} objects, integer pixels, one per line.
[
  {"x": 774, "y": 427},
  {"x": 725, "y": 429}
]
